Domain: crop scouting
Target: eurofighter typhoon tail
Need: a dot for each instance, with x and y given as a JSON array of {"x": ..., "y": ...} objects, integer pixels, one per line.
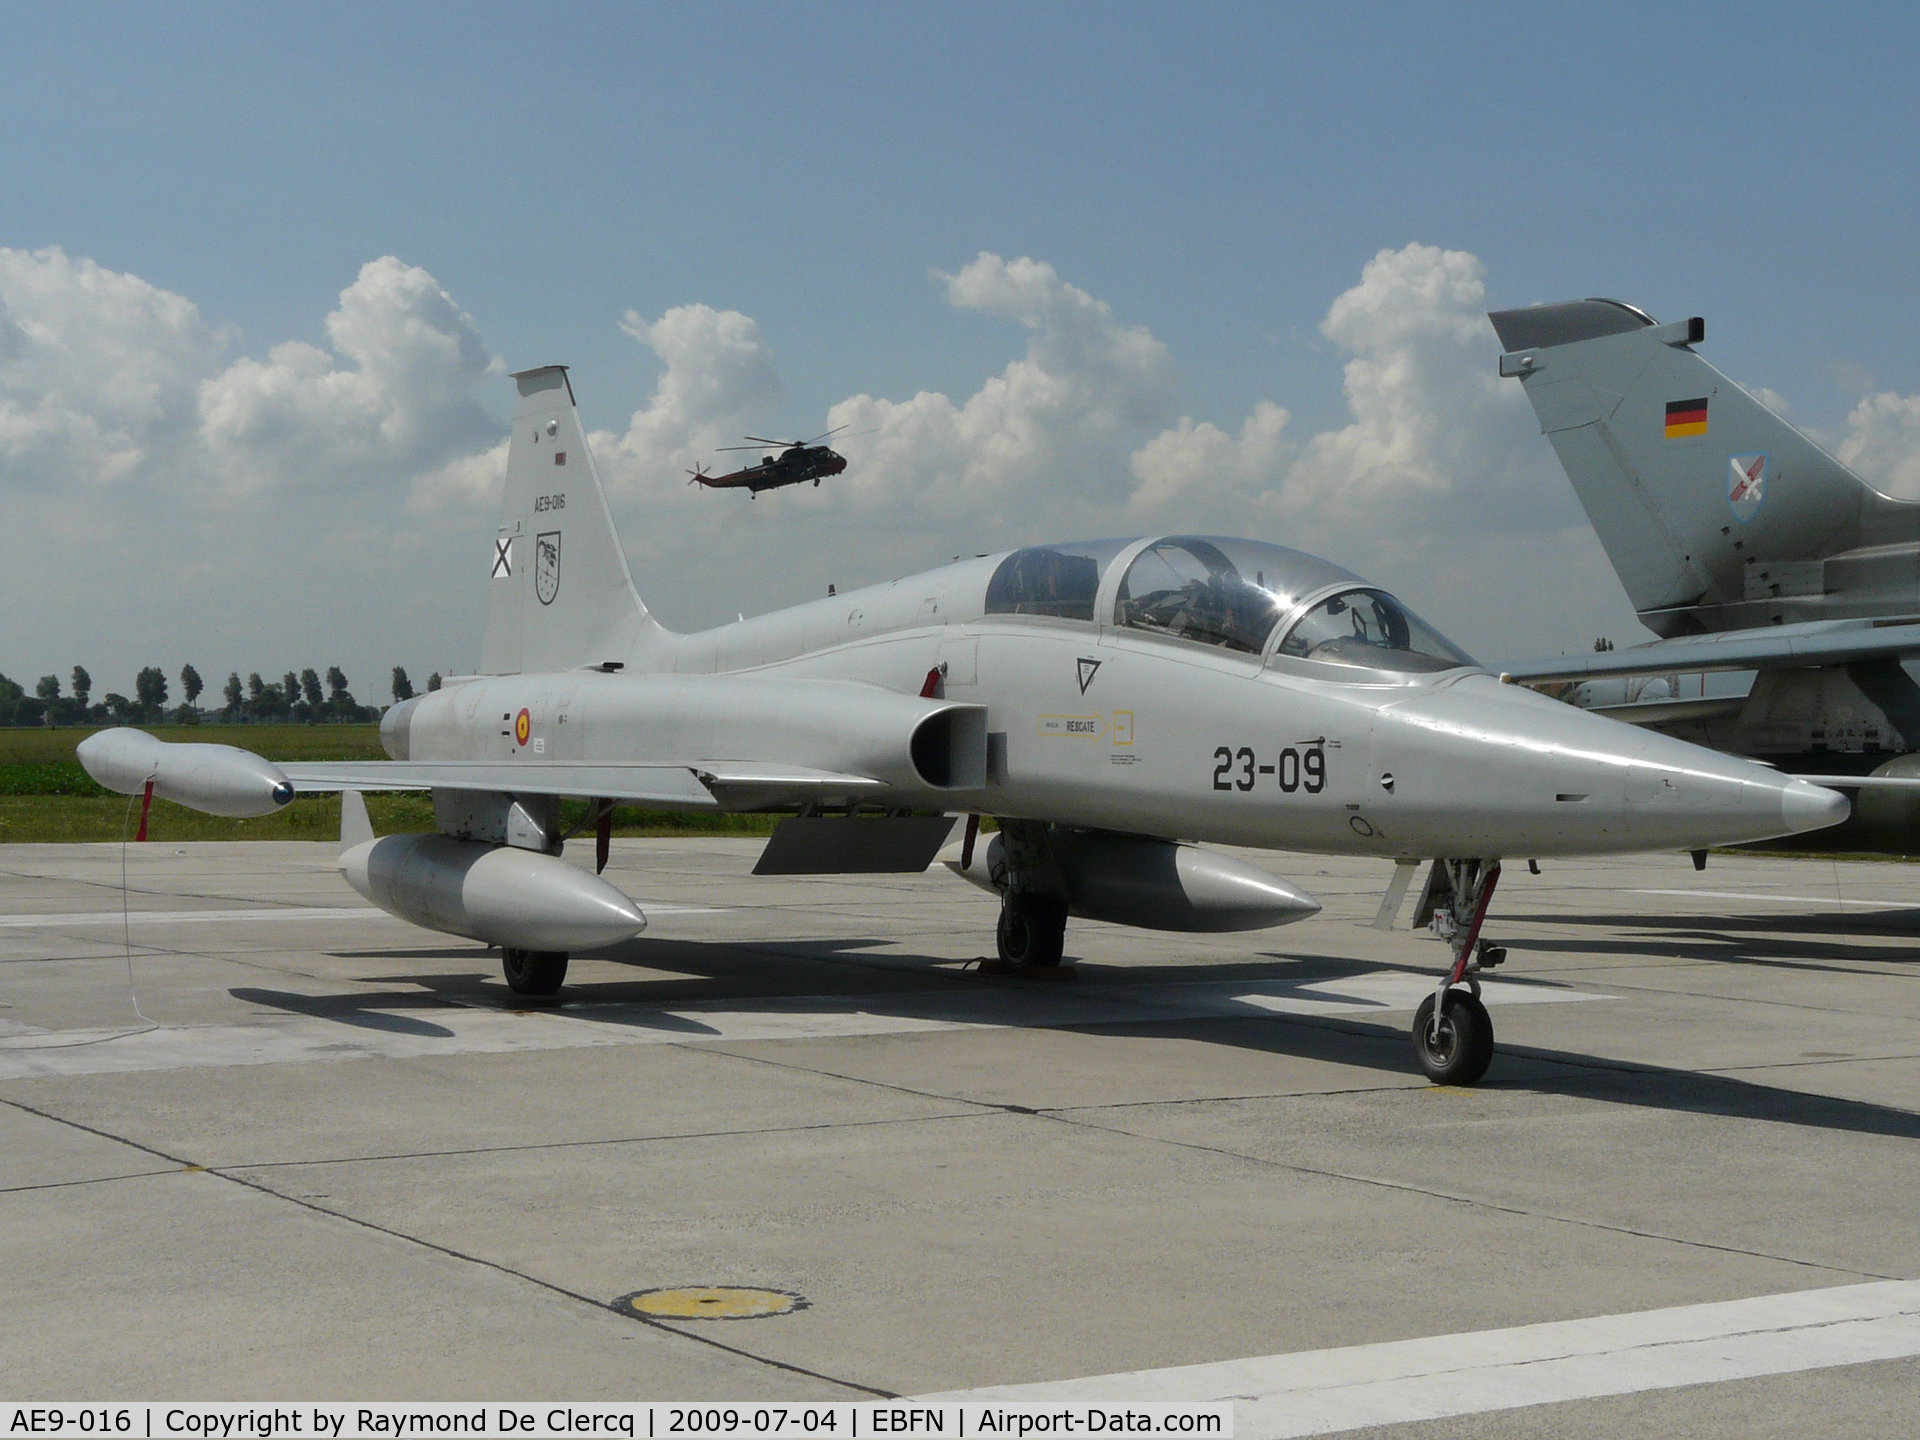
[{"x": 1108, "y": 702}]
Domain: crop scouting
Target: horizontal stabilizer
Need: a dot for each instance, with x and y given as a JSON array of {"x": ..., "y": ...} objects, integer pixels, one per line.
[{"x": 854, "y": 845}]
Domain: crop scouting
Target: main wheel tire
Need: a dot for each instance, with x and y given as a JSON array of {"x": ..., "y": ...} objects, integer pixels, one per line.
[
  {"x": 534, "y": 972},
  {"x": 1460, "y": 1053},
  {"x": 1032, "y": 933}
]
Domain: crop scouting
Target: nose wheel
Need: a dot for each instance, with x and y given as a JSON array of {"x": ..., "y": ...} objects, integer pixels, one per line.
[
  {"x": 534, "y": 972},
  {"x": 1458, "y": 1048},
  {"x": 1452, "y": 1032}
]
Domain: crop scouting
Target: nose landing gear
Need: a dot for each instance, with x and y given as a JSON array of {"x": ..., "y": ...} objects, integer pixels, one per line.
[
  {"x": 534, "y": 972},
  {"x": 1452, "y": 1033},
  {"x": 1456, "y": 1048}
]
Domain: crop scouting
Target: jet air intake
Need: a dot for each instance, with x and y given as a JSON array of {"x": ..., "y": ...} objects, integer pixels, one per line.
[
  {"x": 216, "y": 779},
  {"x": 949, "y": 748}
]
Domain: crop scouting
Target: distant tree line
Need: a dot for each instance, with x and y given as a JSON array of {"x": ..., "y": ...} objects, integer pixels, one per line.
[{"x": 298, "y": 699}]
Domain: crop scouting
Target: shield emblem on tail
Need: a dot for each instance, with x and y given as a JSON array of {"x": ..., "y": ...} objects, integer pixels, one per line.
[
  {"x": 1746, "y": 485},
  {"x": 546, "y": 566}
]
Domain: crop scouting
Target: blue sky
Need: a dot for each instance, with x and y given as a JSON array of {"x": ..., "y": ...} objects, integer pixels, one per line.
[{"x": 1215, "y": 176}]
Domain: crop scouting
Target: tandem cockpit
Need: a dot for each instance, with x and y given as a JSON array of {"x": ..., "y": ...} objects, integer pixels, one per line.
[{"x": 1243, "y": 597}]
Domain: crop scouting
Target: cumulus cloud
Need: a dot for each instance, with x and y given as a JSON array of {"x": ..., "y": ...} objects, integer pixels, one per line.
[
  {"x": 395, "y": 396},
  {"x": 469, "y": 482},
  {"x": 1437, "y": 478},
  {"x": 1431, "y": 418},
  {"x": 1200, "y": 465},
  {"x": 1080, "y": 430},
  {"x": 1043, "y": 443},
  {"x": 125, "y": 426},
  {"x": 1049, "y": 435},
  {"x": 97, "y": 370},
  {"x": 1883, "y": 442},
  {"x": 718, "y": 380},
  {"x": 1437, "y": 483},
  {"x": 106, "y": 378},
  {"x": 1434, "y": 479},
  {"x": 1435, "y": 439}
]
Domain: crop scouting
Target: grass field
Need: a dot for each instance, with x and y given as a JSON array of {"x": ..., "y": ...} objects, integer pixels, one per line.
[
  {"x": 276, "y": 742},
  {"x": 45, "y": 795}
]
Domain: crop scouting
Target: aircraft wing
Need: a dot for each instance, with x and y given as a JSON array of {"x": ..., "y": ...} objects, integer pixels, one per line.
[
  {"x": 1822, "y": 642},
  {"x": 1861, "y": 782},
  {"x": 697, "y": 785}
]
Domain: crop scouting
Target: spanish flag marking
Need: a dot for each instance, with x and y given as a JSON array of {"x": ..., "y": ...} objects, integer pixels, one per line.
[{"x": 1686, "y": 417}]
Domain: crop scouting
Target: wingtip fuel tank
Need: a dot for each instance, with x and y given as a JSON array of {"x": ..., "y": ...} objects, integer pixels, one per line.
[{"x": 217, "y": 779}]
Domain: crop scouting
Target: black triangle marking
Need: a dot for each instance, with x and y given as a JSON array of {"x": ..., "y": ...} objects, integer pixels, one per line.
[{"x": 1088, "y": 669}]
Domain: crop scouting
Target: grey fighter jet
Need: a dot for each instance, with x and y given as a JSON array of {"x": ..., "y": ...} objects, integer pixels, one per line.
[
  {"x": 1745, "y": 546},
  {"x": 1110, "y": 702}
]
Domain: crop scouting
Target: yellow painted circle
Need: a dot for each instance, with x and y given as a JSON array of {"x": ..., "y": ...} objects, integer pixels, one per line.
[
  {"x": 710, "y": 1302},
  {"x": 522, "y": 726}
]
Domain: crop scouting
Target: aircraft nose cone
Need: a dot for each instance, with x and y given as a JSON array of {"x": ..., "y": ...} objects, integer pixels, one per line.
[{"x": 1811, "y": 807}]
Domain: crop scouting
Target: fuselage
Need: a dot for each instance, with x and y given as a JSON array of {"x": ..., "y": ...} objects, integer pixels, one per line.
[{"x": 1194, "y": 711}]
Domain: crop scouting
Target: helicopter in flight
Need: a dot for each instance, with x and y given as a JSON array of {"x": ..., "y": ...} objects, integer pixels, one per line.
[{"x": 798, "y": 462}]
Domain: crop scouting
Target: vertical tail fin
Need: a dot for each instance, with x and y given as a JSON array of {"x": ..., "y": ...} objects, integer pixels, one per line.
[
  {"x": 1687, "y": 478},
  {"x": 560, "y": 595}
]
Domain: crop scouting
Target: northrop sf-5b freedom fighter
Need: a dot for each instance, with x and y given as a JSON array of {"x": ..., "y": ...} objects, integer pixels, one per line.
[{"x": 1110, "y": 703}]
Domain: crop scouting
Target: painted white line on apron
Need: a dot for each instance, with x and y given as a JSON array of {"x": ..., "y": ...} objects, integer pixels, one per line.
[{"x": 1321, "y": 1392}]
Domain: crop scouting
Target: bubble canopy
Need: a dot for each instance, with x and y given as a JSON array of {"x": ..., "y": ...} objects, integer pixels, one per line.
[
  {"x": 1364, "y": 626},
  {"x": 1217, "y": 591},
  {"x": 1228, "y": 594}
]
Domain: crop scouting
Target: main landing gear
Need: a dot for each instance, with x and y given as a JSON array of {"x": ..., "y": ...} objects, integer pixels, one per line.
[
  {"x": 1033, "y": 910},
  {"x": 1032, "y": 931},
  {"x": 534, "y": 972},
  {"x": 1452, "y": 1033}
]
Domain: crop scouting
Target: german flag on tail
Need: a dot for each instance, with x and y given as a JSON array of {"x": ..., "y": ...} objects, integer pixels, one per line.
[{"x": 1686, "y": 417}]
